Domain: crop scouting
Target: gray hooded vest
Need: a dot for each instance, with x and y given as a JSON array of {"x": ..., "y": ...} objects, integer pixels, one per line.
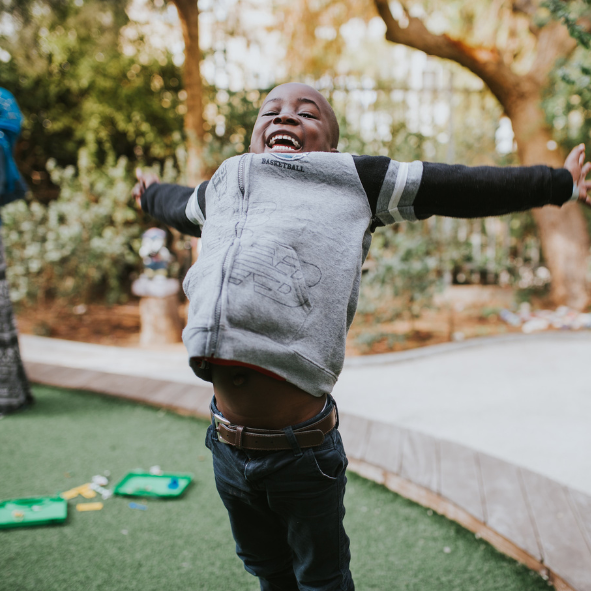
[
  {"x": 284, "y": 237},
  {"x": 277, "y": 280}
]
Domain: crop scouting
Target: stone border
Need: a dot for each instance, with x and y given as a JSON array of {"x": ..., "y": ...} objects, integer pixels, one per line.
[
  {"x": 430, "y": 500},
  {"x": 185, "y": 399},
  {"x": 530, "y": 517}
]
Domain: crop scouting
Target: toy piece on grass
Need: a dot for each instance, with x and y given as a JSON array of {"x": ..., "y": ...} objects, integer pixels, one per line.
[
  {"x": 104, "y": 492},
  {"x": 89, "y": 506},
  {"x": 144, "y": 484},
  {"x": 87, "y": 492},
  {"x": 84, "y": 489},
  {"x": 100, "y": 480},
  {"x": 138, "y": 506},
  {"x": 32, "y": 511},
  {"x": 72, "y": 493}
]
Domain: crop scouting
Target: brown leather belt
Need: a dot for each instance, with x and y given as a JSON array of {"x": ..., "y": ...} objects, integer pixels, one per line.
[{"x": 264, "y": 439}]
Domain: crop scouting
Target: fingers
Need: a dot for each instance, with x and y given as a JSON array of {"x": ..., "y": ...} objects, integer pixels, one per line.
[
  {"x": 137, "y": 190},
  {"x": 139, "y": 187},
  {"x": 583, "y": 185},
  {"x": 136, "y": 193},
  {"x": 575, "y": 154},
  {"x": 572, "y": 163},
  {"x": 145, "y": 179},
  {"x": 585, "y": 191}
]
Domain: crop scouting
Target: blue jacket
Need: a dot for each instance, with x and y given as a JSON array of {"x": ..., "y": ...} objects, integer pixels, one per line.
[{"x": 12, "y": 185}]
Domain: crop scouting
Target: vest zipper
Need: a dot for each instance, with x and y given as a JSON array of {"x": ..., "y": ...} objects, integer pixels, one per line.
[
  {"x": 241, "y": 175},
  {"x": 218, "y": 305}
]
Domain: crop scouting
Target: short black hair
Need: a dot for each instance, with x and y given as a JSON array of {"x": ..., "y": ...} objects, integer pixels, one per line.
[{"x": 335, "y": 130}]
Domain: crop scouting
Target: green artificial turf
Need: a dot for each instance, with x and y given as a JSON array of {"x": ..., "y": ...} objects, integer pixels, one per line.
[{"x": 186, "y": 544}]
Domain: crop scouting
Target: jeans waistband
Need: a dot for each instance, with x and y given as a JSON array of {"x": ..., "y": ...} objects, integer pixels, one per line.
[{"x": 330, "y": 404}]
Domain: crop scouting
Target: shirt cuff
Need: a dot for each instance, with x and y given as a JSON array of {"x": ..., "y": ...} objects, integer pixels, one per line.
[{"x": 575, "y": 195}]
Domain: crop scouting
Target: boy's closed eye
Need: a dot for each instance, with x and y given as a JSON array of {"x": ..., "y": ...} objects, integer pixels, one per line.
[{"x": 274, "y": 113}]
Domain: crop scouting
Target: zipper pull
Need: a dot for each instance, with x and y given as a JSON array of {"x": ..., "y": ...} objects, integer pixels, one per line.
[{"x": 241, "y": 174}]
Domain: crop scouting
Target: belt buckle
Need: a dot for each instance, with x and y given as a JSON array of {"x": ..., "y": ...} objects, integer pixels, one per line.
[{"x": 219, "y": 419}]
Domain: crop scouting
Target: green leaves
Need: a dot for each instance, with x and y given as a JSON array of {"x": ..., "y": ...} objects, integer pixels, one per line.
[
  {"x": 405, "y": 272},
  {"x": 78, "y": 90},
  {"x": 569, "y": 14},
  {"x": 80, "y": 247}
]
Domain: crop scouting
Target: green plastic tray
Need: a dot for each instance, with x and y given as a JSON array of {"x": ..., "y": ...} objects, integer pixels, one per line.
[
  {"x": 34, "y": 511},
  {"x": 144, "y": 484}
]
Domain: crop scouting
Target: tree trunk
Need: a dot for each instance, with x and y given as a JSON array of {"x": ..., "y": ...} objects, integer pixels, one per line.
[
  {"x": 563, "y": 232},
  {"x": 189, "y": 17}
]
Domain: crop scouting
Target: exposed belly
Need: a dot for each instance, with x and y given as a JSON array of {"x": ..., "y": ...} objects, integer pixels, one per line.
[{"x": 247, "y": 397}]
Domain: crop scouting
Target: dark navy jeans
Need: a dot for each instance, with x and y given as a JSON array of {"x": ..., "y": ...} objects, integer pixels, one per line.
[{"x": 286, "y": 511}]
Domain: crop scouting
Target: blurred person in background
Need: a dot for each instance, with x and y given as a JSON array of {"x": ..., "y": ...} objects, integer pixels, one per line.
[{"x": 15, "y": 392}]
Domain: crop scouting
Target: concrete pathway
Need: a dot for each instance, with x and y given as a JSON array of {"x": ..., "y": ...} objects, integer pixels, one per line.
[
  {"x": 495, "y": 433},
  {"x": 526, "y": 400}
]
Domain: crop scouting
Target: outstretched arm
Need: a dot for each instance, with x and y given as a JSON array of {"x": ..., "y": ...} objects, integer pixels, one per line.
[
  {"x": 166, "y": 202},
  {"x": 459, "y": 191},
  {"x": 413, "y": 191}
]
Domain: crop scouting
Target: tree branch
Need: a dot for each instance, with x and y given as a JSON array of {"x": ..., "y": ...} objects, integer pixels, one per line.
[
  {"x": 486, "y": 63},
  {"x": 554, "y": 41}
]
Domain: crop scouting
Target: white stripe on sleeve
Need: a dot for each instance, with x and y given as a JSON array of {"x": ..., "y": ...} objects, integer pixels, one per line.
[
  {"x": 398, "y": 190},
  {"x": 193, "y": 211}
]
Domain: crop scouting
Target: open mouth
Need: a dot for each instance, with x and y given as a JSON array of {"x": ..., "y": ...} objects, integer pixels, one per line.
[{"x": 281, "y": 142}]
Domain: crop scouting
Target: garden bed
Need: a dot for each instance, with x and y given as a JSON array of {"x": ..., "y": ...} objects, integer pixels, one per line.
[{"x": 120, "y": 326}]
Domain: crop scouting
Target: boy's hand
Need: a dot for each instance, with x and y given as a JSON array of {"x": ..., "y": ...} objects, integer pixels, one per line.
[
  {"x": 575, "y": 164},
  {"x": 145, "y": 179}
]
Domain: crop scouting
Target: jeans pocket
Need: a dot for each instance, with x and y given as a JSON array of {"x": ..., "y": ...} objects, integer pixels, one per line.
[
  {"x": 208, "y": 437},
  {"x": 328, "y": 463}
]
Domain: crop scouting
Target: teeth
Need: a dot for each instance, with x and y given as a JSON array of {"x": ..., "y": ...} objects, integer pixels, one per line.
[{"x": 274, "y": 139}]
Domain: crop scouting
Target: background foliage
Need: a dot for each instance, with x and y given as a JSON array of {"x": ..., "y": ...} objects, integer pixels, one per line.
[
  {"x": 96, "y": 107},
  {"x": 82, "y": 245}
]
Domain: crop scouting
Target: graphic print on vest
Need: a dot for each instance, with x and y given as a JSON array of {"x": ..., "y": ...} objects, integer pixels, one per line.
[
  {"x": 220, "y": 180},
  {"x": 268, "y": 290}
]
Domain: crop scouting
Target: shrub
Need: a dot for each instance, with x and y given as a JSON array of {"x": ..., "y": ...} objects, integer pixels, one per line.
[
  {"x": 404, "y": 273},
  {"x": 80, "y": 247}
]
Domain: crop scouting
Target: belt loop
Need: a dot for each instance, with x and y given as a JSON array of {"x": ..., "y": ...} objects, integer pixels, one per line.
[
  {"x": 239, "y": 429},
  {"x": 336, "y": 408},
  {"x": 292, "y": 440}
]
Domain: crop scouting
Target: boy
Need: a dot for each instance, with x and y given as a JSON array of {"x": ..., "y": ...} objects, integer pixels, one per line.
[{"x": 285, "y": 230}]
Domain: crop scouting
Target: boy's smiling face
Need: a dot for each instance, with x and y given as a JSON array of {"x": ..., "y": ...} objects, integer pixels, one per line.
[{"x": 295, "y": 118}]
